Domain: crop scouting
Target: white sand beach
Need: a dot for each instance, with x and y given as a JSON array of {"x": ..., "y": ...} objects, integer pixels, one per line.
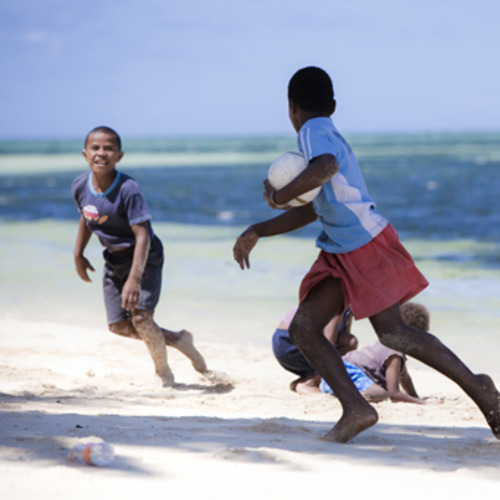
[
  {"x": 249, "y": 437},
  {"x": 64, "y": 379}
]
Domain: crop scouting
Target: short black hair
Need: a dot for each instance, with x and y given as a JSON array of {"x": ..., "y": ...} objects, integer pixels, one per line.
[
  {"x": 105, "y": 130},
  {"x": 312, "y": 90}
]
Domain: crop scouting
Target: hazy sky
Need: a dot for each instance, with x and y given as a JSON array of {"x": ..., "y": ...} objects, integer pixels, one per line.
[{"x": 211, "y": 67}]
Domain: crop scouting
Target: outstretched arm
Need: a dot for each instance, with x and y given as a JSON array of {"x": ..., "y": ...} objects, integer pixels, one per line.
[
  {"x": 82, "y": 265},
  {"x": 283, "y": 223}
]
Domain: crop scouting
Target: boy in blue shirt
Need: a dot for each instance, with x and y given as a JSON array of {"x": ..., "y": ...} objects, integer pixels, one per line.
[
  {"x": 112, "y": 206},
  {"x": 361, "y": 264}
]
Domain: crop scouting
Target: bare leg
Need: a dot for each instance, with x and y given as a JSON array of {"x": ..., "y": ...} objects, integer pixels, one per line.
[
  {"x": 375, "y": 393},
  {"x": 182, "y": 341},
  {"x": 430, "y": 350},
  {"x": 125, "y": 329},
  {"x": 154, "y": 339},
  {"x": 322, "y": 303}
]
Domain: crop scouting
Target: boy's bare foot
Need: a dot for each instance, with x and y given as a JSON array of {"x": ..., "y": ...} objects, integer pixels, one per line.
[
  {"x": 306, "y": 386},
  {"x": 488, "y": 400},
  {"x": 218, "y": 378},
  {"x": 167, "y": 378},
  {"x": 352, "y": 423},
  {"x": 184, "y": 343}
]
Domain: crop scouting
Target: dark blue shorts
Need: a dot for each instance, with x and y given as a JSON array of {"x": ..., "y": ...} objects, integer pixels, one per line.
[
  {"x": 116, "y": 270},
  {"x": 289, "y": 356}
]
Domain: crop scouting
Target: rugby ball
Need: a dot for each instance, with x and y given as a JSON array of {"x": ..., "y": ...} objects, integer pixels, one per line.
[{"x": 284, "y": 169}]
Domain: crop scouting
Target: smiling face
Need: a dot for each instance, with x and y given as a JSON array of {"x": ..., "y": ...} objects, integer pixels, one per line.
[{"x": 102, "y": 153}]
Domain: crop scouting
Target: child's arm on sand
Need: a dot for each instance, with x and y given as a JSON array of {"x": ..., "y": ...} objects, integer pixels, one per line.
[
  {"x": 82, "y": 265},
  {"x": 392, "y": 375},
  {"x": 132, "y": 287},
  {"x": 407, "y": 383},
  {"x": 283, "y": 223}
]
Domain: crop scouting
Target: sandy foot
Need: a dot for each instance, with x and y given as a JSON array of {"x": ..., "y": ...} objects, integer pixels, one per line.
[
  {"x": 351, "y": 424},
  {"x": 185, "y": 344},
  {"x": 488, "y": 400}
]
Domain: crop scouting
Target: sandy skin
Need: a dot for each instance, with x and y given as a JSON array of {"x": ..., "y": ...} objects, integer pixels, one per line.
[
  {"x": 191, "y": 438},
  {"x": 156, "y": 339},
  {"x": 184, "y": 343},
  {"x": 354, "y": 420},
  {"x": 487, "y": 399}
]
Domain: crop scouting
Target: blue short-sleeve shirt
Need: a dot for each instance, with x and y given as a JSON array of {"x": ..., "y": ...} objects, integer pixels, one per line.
[
  {"x": 111, "y": 215},
  {"x": 345, "y": 209}
]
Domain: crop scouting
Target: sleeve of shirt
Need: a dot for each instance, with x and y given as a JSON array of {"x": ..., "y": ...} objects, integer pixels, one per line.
[
  {"x": 135, "y": 204},
  {"x": 76, "y": 186},
  {"x": 386, "y": 352},
  {"x": 314, "y": 142}
]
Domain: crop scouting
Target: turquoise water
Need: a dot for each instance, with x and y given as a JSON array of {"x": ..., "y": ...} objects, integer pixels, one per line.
[
  {"x": 430, "y": 186},
  {"x": 439, "y": 191}
]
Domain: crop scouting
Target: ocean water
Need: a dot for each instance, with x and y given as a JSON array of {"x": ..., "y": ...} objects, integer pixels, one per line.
[{"x": 439, "y": 190}]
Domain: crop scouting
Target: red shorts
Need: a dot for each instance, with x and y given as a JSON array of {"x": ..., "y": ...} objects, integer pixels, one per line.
[{"x": 373, "y": 277}]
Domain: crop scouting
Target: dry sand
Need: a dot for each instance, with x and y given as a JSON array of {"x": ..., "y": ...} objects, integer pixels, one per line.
[{"x": 246, "y": 437}]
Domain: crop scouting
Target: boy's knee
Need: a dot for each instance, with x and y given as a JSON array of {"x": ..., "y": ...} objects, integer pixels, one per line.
[
  {"x": 401, "y": 340},
  {"x": 298, "y": 333},
  {"x": 124, "y": 329},
  {"x": 302, "y": 328},
  {"x": 386, "y": 338},
  {"x": 142, "y": 319},
  {"x": 120, "y": 328}
]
